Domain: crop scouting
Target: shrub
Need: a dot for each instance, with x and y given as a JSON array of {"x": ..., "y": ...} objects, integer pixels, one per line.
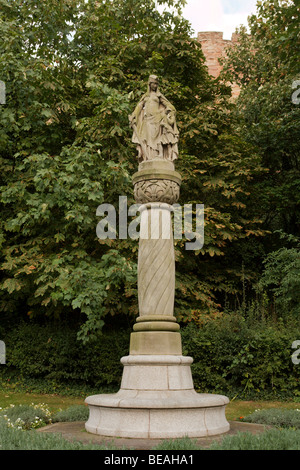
[
  {"x": 73, "y": 413},
  {"x": 281, "y": 278},
  {"x": 273, "y": 439},
  {"x": 26, "y": 416},
  {"x": 15, "y": 439},
  {"x": 183, "y": 443},
  {"x": 232, "y": 356},
  {"x": 54, "y": 355},
  {"x": 275, "y": 417}
]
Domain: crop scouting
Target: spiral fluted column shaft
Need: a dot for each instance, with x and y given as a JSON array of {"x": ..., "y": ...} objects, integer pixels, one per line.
[
  {"x": 156, "y": 188},
  {"x": 156, "y": 261}
]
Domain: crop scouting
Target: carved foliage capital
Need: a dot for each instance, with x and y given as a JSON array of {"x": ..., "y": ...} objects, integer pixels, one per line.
[{"x": 156, "y": 190}]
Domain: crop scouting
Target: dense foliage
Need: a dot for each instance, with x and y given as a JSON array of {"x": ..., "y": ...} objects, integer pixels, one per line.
[
  {"x": 74, "y": 71},
  {"x": 248, "y": 359},
  {"x": 266, "y": 66}
]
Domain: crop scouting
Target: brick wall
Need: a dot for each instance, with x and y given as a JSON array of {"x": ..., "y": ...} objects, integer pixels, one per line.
[{"x": 213, "y": 47}]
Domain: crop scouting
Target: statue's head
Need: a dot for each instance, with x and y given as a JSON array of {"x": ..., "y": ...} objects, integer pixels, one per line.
[{"x": 153, "y": 83}]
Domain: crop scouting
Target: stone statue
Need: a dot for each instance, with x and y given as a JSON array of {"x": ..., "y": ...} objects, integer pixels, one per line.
[
  {"x": 157, "y": 399},
  {"x": 153, "y": 121}
]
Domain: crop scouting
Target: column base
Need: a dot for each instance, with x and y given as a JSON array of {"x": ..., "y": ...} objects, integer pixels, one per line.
[
  {"x": 155, "y": 342},
  {"x": 157, "y": 400},
  {"x": 156, "y": 414}
]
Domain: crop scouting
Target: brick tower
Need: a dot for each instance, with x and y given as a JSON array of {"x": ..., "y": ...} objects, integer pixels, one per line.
[{"x": 214, "y": 47}]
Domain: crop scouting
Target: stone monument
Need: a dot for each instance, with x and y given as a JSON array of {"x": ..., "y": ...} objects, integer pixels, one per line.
[{"x": 157, "y": 398}]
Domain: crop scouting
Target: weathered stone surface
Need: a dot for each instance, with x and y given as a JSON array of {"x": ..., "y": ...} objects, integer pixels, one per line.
[
  {"x": 156, "y": 181},
  {"x": 153, "y": 190},
  {"x": 156, "y": 326},
  {"x": 156, "y": 317},
  {"x": 155, "y": 342},
  {"x": 157, "y": 414},
  {"x": 157, "y": 397},
  {"x": 153, "y": 374},
  {"x": 153, "y": 121},
  {"x": 156, "y": 261}
]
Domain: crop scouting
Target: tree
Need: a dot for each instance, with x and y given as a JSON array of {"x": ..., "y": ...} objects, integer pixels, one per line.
[
  {"x": 265, "y": 64},
  {"x": 65, "y": 148},
  {"x": 280, "y": 278}
]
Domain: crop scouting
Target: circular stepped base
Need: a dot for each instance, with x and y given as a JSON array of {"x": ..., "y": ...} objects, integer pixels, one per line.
[
  {"x": 157, "y": 400},
  {"x": 157, "y": 414}
]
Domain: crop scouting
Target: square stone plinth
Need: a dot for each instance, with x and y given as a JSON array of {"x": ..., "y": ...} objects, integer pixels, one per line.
[{"x": 155, "y": 342}]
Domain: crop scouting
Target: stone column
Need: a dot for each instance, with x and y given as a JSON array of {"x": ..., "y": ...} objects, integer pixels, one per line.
[
  {"x": 156, "y": 188},
  {"x": 157, "y": 398}
]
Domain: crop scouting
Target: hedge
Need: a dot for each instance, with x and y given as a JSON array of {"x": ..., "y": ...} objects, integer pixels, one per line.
[
  {"x": 52, "y": 354},
  {"x": 251, "y": 361},
  {"x": 230, "y": 357}
]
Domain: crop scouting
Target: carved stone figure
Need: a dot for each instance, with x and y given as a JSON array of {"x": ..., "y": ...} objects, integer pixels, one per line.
[{"x": 153, "y": 121}]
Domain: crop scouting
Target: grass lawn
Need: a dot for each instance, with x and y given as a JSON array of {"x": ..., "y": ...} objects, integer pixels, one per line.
[
  {"x": 238, "y": 408},
  {"x": 234, "y": 410},
  {"x": 54, "y": 402},
  {"x": 15, "y": 438}
]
